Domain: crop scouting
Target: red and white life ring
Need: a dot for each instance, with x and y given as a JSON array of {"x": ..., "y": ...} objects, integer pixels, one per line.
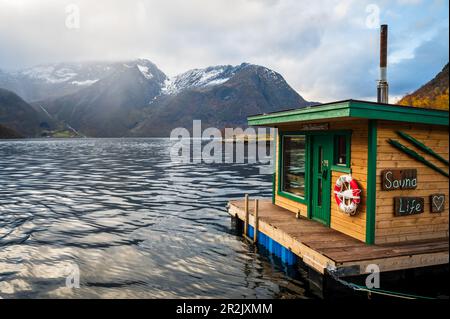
[{"x": 347, "y": 194}]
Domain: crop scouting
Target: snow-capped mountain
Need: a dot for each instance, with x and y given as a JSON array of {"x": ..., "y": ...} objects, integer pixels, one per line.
[
  {"x": 210, "y": 76},
  {"x": 111, "y": 105},
  {"x": 219, "y": 96},
  {"x": 199, "y": 78},
  {"x": 135, "y": 98},
  {"x": 55, "y": 80}
]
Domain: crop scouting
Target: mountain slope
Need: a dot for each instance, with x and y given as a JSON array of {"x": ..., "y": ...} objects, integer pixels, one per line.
[
  {"x": 6, "y": 132},
  {"x": 19, "y": 116},
  {"x": 221, "y": 96},
  {"x": 111, "y": 106},
  {"x": 434, "y": 94},
  {"x": 135, "y": 98}
]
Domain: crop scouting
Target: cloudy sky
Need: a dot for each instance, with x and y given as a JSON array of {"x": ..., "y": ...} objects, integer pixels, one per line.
[{"x": 327, "y": 50}]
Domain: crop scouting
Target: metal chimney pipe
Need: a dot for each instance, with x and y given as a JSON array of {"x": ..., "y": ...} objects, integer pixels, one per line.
[{"x": 383, "y": 86}]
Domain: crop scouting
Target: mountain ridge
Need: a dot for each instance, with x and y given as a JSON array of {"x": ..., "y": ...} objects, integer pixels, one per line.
[
  {"x": 46, "y": 81},
  {"x": 19, "y": 116},
  {"x": 433, "y": 94},
  {"x": 136, "y": 98},
  {"x": 244, "y": 90},
  {"x": 217, "y": 95}
]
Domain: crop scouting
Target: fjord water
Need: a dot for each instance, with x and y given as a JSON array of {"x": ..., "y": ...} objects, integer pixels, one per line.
[{"x": 134, "y": 223}]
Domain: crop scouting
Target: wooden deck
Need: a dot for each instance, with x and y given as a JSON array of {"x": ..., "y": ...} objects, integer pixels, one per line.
[{"x": 325, "y": 249}]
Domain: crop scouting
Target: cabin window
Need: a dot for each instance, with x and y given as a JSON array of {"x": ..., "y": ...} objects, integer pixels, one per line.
[
  {"x": 341, "y": 150},
  {"x": 294, "y": 162}
]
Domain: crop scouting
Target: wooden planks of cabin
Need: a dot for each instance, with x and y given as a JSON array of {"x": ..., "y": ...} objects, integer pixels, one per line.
[
  {"x": 423, "y": 226},
  {"x": 354, "y": 226},
  {"x": 324, "y": 248}
]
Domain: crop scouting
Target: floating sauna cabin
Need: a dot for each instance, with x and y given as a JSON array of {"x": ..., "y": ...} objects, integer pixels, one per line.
[{"x": 356, "y": 183}]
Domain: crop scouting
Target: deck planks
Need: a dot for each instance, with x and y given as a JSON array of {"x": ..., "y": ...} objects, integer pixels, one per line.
[{"x": 339, "y": 249}]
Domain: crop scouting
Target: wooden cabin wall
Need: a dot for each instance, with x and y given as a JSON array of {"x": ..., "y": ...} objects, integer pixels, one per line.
[
  {"x": 426, "y": 225},
  {"x": 354, "y": 226}
]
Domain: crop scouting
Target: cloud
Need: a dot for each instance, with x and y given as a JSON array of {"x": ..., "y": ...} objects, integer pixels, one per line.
[
  {"x": 427, "y": 60},
  {"x": 325, "y": 49}
]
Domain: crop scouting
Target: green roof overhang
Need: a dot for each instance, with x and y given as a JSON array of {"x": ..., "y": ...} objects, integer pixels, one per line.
[{"x": 355, "y": 109}]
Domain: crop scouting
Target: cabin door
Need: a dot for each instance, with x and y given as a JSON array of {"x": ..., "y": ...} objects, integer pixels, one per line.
[{"x": 321, "y": 158}]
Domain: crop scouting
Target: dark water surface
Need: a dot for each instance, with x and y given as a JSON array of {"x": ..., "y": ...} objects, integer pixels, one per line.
[{"x": 134, "y": 223}]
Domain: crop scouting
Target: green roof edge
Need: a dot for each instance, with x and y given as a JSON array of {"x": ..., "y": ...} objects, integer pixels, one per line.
[{"x": 356, "y": 109}]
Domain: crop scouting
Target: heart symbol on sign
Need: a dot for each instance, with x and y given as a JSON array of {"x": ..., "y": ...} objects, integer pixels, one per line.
[{"x": 438, "y": 201}]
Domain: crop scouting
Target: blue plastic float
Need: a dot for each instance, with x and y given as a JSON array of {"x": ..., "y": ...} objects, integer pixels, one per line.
[{"x": 286, "y": 255}]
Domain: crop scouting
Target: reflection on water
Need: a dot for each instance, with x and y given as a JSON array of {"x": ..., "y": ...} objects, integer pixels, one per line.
[{"x": 136, "y": 224}]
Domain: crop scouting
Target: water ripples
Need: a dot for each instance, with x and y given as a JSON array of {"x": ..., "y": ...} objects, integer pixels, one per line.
[{"x": 136, "y": 224}]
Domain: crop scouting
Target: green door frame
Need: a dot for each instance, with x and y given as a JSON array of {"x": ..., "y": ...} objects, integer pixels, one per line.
[{"x": 321, "y": 172}]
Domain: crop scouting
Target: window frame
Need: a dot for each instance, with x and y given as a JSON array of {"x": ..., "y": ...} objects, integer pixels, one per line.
[
  {"x": 344, "y": 168},
  {"x": 280, "y": 191}
]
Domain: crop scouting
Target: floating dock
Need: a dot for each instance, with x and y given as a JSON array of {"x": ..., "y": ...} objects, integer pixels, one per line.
[{"x": 326, "y": 250}]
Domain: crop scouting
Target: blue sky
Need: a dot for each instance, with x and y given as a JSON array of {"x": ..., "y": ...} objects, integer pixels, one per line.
[{"x": 327, "y": 49}]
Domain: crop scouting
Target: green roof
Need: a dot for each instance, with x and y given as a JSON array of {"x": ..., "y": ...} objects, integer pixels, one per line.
[{"x": 355, "y": 109}]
